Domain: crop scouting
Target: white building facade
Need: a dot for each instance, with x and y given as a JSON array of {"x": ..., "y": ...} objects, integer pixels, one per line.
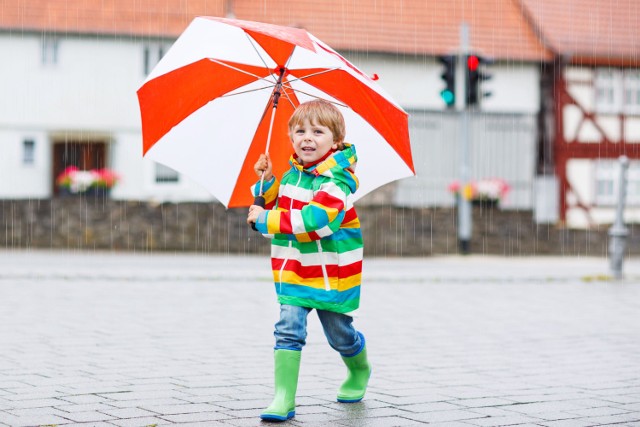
[
  {"x": 75, "y": 96},
  {"x": 72, "y": 99},
  {"x": 604, "y": 113}
]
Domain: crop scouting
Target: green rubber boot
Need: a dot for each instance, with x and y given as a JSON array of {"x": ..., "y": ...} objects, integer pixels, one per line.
[
  {"x": 354, "y": 387},
  {"x": 287, "y": 367}
]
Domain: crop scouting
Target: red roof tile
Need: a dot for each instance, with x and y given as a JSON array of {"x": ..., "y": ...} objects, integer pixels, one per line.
[
  {"x": 498, "y": 28},
  {"x": 597, "y": 31},
  {"x": 152, "y": 18}
]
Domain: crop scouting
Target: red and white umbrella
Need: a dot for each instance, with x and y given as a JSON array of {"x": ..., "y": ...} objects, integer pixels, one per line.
[{"x": 208, "y": 111}]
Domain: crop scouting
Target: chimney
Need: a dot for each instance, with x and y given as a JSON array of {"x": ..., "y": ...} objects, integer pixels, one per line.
[{"x": 229, "y": 9}]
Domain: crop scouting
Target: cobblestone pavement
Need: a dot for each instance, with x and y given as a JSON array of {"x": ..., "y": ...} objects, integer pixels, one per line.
[{"x": 104, "y": 339}]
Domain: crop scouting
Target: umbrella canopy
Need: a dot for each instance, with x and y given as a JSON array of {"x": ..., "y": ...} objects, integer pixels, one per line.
[{"x": 207, "y": 107}]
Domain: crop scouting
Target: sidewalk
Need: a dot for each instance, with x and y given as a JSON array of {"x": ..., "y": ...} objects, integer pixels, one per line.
[{"x": 104, "y": 339}]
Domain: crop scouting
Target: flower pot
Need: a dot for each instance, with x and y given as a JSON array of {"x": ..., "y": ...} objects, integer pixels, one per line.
[
  {"x": 94, "y": 182},
  {"x": 102, "y": 192},
  {"x": 485, "y": 203}
]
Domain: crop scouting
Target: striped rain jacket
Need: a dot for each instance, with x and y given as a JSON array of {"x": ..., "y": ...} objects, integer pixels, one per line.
[{"x": 316, "y": 249}]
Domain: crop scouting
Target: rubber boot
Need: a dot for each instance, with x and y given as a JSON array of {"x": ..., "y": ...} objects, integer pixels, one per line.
[
  {"x": 359, "y": 371},
  {"x": 287, "y": 367}
]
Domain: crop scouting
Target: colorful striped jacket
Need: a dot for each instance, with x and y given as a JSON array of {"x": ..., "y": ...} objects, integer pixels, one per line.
[{"x": 316, "y": 249}]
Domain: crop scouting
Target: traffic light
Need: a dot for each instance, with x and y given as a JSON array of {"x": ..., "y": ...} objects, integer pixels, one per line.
[
  {"x": 448, "y": 94},
  {"x": 474, "y": 78}
]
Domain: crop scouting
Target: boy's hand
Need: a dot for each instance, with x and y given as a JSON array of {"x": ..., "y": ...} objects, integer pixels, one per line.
[
  {"x": 263, "y": 165},
  {"x": 254, "y": 213}
]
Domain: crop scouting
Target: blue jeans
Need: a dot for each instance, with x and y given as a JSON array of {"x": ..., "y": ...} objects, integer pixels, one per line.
[{"x": 291, "y": 330}]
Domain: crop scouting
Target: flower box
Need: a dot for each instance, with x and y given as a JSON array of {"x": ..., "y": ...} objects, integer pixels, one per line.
[
  {"x": 94, "y": 182},
  {"x": 486, "y": 192}
]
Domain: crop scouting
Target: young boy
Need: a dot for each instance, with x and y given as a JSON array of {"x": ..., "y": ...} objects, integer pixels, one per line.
[{"x": 316, "y": 250}]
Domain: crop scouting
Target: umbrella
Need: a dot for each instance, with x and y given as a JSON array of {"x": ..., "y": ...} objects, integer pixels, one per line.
[{"x": 224, "y": 92}]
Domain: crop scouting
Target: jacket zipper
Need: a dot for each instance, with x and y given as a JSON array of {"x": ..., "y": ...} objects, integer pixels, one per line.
[{"x": 284, "y": 263}]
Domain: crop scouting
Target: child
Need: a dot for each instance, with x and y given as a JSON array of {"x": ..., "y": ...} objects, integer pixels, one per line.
[{"x": 316, "y": 250}]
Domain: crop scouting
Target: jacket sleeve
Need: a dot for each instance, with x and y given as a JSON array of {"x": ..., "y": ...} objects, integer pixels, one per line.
[
  {"x": 320, "y": 218},
  {"x": 269, "y": 191}
]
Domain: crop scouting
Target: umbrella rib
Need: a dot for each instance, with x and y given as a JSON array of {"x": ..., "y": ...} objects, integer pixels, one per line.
[
  {"x": 286, "y": 95},
  {"x": 259, "y": 56},
  {"x": 314, "y": 74},
  {"x": 312, "y": 96},
  {"x": 238, "y": 69},
  {"x": 246, "y": 91}
]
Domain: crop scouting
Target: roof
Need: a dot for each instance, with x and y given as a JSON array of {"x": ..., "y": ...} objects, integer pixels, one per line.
[
  {"x": 152, "y": 18},
  {"x": 498, "y": 28},
  {"x": 589, "y": 31}
]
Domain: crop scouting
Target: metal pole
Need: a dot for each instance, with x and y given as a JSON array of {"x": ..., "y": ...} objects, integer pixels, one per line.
[
  {"x": 276, "y": 97},
  {"x": 259, "y": 200},
  {"x": 464, "y": 202},
  {"x": 618, "y": 233}
]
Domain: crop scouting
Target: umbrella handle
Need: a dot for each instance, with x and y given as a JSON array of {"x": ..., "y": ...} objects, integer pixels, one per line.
[{"x": 258, "y": 201}]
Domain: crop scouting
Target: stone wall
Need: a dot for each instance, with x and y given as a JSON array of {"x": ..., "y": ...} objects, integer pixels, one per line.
[{"x": 97, "y": 223}]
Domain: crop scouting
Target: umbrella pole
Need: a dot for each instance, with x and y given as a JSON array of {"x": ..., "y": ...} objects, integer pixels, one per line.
[
  {"x": 276, "y": 98},
  {"x": 273, "y": 115},
  {"x": 259, "y": 200}
]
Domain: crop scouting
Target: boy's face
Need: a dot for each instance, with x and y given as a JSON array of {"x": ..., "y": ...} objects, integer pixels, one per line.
[{"x": 312, "y": 141}]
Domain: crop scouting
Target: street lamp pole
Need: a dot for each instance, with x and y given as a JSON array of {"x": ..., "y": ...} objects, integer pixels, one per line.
[
  {"x": 618, "y": 233},
  {"x": 464, "y": 202}
]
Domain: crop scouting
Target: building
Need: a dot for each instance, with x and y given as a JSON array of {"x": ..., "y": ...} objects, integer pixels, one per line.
[
  {"x": 591, "y": 113},
  {"x": 70, "y": 90}
]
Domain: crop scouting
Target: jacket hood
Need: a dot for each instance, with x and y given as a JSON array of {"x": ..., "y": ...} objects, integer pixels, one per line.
[{"x": 340, "y": 165}]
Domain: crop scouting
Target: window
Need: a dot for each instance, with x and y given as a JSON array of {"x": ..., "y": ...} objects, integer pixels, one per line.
[
  {"x": 153, "y": 53},
  {"x": 605, "y": 182},
  {"x": 28, "y": 152},
  {"x": 608, "y": 85},
  {"x": 633, "y": 184},
  {"x": 607, "y": 185},
  {"x": 49, "y": 50},
  {"x": 617, "y": 91},
  {"x": 632, "y": 92},
  {"x": 164, "y": 174}
]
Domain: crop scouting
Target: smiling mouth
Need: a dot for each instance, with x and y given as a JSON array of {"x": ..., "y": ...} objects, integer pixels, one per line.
[{"x": 309, "y": 149}]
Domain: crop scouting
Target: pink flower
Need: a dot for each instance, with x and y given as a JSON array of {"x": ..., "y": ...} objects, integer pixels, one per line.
[
  {"x": 454, "y": 187},
  {"x": 105, "y": 178},
  {"x": 78, "y": 181},
  {"x": 483, "y": 189}
]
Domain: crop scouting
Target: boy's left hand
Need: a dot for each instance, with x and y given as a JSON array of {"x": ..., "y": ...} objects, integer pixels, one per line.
[{"x": 254, "y": 213}]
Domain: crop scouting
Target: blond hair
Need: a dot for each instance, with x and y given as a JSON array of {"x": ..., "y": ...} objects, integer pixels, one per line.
[{"x": 323, "y": 113}]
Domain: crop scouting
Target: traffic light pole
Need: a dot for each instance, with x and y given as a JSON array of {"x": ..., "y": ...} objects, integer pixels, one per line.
[{"x": 464, "y": 198}]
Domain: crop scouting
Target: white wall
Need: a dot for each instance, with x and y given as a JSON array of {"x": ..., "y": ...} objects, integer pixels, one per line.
[
  {"x": 581, "y": 176},
  {"x": 415, "y": 82},
  {"x": 91, "y": 89},
  {"x": 515, "y": 88},
  {"x": 92, "y": 86},
  {"x": 20, "y": 180},
  {"x": 502, "y": 145},
  {"x": 138, "y": 176},
  {"x": 577, "y": 130}
]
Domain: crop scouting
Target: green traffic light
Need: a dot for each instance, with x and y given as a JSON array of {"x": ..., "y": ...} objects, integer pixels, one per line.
[{"x": 448, "y": 97}]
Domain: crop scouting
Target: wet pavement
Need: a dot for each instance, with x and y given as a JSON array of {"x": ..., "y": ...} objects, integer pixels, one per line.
[{"x": 112, "y": 339}]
